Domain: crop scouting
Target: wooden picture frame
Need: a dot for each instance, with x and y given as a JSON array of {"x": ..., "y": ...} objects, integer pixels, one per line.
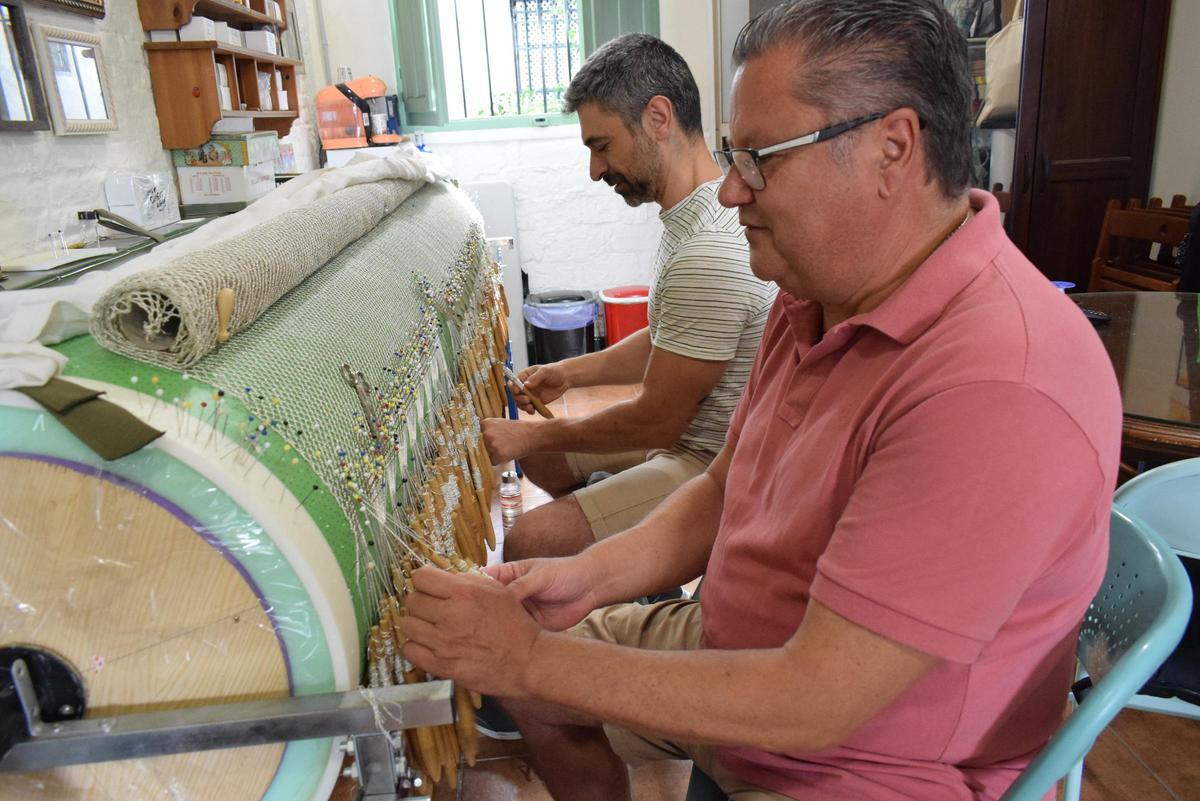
[
  {"x": 66, "y": 124},
  {"x": 23, "y": 44},
  {"x": 91, "y": 8}
]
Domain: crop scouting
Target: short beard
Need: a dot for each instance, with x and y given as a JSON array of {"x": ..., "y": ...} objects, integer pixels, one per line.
[{"x": 643, "y": 186}]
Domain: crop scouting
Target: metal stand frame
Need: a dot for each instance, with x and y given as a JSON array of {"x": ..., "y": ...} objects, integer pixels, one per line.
[{"x": 30, "y": 742}]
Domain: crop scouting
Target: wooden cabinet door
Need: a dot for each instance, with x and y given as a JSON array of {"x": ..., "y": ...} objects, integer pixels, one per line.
[{"x": 1088, "y": 112}]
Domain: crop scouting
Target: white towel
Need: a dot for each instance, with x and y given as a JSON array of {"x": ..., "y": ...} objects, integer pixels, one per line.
[{"x": 28, "y": 365}]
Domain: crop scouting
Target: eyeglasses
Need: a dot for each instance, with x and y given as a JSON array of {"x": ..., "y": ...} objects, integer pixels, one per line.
[{"x": 746, "y": 159}]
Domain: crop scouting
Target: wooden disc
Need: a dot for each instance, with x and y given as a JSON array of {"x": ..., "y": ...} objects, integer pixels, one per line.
[{"x": 151, "y": 615}]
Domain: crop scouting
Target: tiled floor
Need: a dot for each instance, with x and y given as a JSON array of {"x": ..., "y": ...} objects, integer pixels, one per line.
[{"x": 1141, "y": 757}]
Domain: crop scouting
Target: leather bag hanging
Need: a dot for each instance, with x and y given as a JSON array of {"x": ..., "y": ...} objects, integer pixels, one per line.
[{"x": 1003, "y": 72}]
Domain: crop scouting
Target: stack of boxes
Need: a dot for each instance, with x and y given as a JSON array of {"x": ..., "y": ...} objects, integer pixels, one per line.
[
  {"x": 203, "y": 29},
  {"x": 228, "y": 172}
]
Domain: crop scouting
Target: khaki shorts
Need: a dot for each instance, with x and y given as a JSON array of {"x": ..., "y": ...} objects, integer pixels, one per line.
[
  {"x": 640, "y": 482},
  {"x": 665, "y": 626}
]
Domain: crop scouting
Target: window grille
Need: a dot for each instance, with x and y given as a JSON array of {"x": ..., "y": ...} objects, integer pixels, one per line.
[{"x": 508, "y": 57}]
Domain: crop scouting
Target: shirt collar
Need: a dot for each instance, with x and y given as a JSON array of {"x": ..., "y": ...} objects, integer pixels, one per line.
[
  {"x": 918, "y": 302},
  {"x": 675, "y": 217}
]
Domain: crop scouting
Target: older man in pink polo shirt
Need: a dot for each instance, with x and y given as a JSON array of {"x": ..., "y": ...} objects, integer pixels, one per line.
[{"x": 910, "y": 513}]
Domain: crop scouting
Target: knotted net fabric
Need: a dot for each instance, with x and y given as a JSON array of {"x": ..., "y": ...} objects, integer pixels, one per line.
[{"x": 168, "y": 316}]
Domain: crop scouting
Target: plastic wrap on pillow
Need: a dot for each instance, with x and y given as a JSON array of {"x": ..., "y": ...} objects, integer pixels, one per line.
[{"x": 162, "y": 589}]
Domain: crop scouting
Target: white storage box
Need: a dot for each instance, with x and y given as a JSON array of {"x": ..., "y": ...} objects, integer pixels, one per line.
[
  {"x": 147, "y": 198},
  {"x": 230, "y": 151},
  {"x": 200, "y": 29},
  {"x": 229, "y": 36},
  {"x": 233, "y": 125},
  {"x": 225, "y": 184},
  {"x": 283, "y": 96},
  {"x": 164, "y": 36},
  {"x": 263, "y": 41}
]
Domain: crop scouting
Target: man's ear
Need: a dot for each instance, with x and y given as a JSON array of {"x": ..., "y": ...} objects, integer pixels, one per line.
[
  {"x": 898, "y": 139},
  {"x": 658, "y": 118}
]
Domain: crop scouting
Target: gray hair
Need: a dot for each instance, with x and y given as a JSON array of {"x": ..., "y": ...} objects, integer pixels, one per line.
[
  {"x": 868, "y": 56},
  {"x": 625, "y": 73}
]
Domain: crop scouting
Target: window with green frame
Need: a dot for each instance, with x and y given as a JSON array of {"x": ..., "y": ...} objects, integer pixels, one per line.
[{"x": 464, "y": 64}]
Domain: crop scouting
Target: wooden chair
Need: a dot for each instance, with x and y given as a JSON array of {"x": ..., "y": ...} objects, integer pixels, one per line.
[
  {"x": 1002, "y": 197},
  {"x": 1179, "y": 205},
  {"x": 1126, "y": 257}
]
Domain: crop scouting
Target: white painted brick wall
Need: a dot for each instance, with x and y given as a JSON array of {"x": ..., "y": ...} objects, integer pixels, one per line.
[
  {"x": 573, "y": 233},
  {"x": 47, "y": 178}
]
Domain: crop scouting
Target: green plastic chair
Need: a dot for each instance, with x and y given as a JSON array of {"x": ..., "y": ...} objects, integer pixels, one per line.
[
  {"x": 1131, "y": 626},
  {"x": 1167, "y": 499}
]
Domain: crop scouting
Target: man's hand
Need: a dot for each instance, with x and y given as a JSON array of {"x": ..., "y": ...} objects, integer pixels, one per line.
[
  {"x": 471, "y": 629},
  {"x": 547, "y": 381},
  {"x": 505, "y": 439},
  {"x": 557, "y": 592}
]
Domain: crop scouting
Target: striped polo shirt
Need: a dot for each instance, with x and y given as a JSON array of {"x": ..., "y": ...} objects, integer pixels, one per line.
[{"x": 706, "y": 304}]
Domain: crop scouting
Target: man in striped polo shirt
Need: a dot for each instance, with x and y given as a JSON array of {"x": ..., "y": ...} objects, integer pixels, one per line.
[{"x": 639, "y": 115}]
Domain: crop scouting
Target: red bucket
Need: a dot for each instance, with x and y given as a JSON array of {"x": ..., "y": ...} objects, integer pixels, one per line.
[{"x": 624, "y": 311}]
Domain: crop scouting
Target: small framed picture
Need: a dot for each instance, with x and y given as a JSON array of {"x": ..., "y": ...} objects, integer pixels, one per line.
[{"x": 91, "y": 8}]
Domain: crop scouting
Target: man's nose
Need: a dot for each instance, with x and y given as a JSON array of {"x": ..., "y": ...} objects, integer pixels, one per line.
[
  {"x": 733, "y": 191},
  {"x": 597, "y": 167}
]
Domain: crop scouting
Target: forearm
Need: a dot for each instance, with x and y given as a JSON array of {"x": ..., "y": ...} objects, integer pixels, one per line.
[
  {"x": 623, "y": 363},
  {"x": 744, "y": 698},
  {"x": 627, "y": 425}
]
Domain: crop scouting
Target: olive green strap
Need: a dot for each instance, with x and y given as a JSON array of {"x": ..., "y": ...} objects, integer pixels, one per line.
[{"x": 106, "y": 428}]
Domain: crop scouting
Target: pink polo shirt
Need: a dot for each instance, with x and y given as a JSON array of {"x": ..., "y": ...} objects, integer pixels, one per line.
[{"x": 938, "y": 470}]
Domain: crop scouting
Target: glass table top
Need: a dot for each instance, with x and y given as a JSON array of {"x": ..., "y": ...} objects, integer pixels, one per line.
[{"x": 1153, "y": 343}]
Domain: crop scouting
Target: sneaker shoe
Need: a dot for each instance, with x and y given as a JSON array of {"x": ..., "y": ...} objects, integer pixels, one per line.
[
  {"x": 672, "y": 594},
  {"x": 492, "y": 721},
  {"x": 597, "y": 477}
]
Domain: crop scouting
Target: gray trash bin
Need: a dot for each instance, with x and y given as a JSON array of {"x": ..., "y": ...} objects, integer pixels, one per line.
[{"x": 561, "y": 324}]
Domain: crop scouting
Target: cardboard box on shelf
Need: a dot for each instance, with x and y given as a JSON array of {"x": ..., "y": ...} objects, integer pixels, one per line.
[
  {"x": 229, "y": 36},
  {"x": 232, "y": 126},
  {"x": 200, "y": 29},
  {"x": 282, "y": 93},
  {"x": 164, "y": 36},
  {"x": 263, "y": 41},
  {"x": 199, "y": 185},
  {"x": 230, "y": 151}
]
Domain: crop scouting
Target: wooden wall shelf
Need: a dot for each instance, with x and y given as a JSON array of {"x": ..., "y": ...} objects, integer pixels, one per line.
[
  {"x": 223, "y": 49},
  {"x": 174, "y": 14},
  {"x": 184, "y": 77},
  {"x": 187, "y": 81}
]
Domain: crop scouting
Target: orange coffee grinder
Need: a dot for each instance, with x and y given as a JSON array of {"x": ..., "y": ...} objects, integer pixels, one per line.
[{"x": 357, "y": 113}]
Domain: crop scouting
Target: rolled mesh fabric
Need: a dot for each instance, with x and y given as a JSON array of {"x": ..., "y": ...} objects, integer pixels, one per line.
[
  {"x": 168, "y": 316},
  {"x": 363, "y": 308}
]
